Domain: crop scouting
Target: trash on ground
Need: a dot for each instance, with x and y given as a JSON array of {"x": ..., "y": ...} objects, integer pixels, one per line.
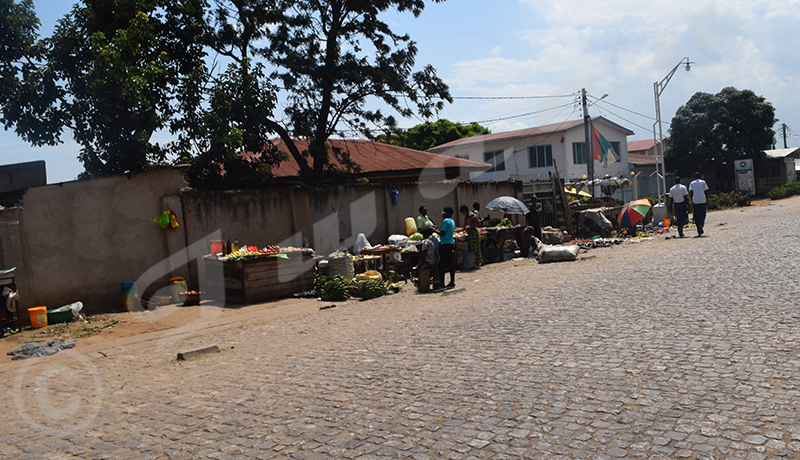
[{"x": 39, "y": 349}]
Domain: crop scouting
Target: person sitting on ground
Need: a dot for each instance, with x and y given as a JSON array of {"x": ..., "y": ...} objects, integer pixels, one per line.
[{"x": 423, "y": 220}]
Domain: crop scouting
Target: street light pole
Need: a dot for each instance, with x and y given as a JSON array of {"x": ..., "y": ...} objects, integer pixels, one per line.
[{"x": 658, "y": 88}]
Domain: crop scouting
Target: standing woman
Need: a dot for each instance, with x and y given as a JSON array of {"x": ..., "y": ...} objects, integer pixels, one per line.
[
  {"x": 471, "y": 224},
  {"x": 446, "y": 248}
]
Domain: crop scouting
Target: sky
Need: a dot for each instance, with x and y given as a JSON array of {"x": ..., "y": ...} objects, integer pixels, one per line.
[{"x": 548, "y": 50}]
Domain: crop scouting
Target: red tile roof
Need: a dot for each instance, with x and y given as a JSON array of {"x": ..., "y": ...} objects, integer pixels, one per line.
[
  {"x": 384, "y": 160},
  {"x": 643, "y": 145}
]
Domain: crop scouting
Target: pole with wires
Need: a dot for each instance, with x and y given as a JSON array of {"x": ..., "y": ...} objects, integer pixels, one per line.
[{"x": 588, "y": 140}]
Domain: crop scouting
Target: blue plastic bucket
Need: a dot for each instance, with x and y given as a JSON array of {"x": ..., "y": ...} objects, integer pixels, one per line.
[{"x": 129, "y": 294}]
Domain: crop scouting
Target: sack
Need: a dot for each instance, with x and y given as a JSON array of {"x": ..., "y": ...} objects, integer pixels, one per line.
[
  {"x": 558, "y": 253},
  {"x": 341, "y": 263}
]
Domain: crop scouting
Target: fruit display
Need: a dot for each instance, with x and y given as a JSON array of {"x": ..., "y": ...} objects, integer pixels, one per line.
[
  {"x": 266, "y": 251},
  {"x": 373, "y": 288}
]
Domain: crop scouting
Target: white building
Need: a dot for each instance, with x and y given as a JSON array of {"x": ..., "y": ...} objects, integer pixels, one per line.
[{"x": 531, "y": 153}]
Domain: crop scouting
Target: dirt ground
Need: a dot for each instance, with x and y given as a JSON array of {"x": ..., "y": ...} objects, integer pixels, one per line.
[{"x": 110, "y": 326}]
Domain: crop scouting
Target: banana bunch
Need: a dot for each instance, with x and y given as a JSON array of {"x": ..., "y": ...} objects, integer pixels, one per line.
[{"x": 241, "y": 253}]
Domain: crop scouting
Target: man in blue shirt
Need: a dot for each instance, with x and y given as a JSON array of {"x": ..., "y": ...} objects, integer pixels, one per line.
[{"x": 447, "y": 245}]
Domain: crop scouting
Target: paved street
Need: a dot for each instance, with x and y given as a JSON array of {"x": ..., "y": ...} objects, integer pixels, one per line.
[{"x": 655, "y": 350}]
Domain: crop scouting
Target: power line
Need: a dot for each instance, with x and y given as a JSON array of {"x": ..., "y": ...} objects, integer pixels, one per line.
[
  {"x": 514, "y": 97},
  {"x": 524, "y": 114},
  {"x": 625, "y": 119},
  {"x": 627, "y": 110}
]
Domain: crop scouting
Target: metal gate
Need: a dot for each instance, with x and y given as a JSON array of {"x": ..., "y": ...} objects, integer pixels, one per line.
[{"x": 545, "y": 195}]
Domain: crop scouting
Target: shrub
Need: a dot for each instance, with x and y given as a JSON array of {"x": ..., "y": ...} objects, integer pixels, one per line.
[
  {"x": 727, "y": 200},
  {"x": 785, "y": 190}
]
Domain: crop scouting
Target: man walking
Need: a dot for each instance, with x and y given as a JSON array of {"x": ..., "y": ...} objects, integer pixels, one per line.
[
  {"x": 698, "y": 189},
  {"x": 678, "y": 193}
]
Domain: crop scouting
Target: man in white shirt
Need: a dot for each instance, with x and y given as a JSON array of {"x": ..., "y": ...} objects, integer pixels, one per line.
[
  {"x": 678, "y": 193},
  {"x": 698, "y": 189}
]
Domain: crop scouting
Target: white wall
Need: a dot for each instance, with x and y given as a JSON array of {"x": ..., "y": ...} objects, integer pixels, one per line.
[{"x": 516, "y": 155}]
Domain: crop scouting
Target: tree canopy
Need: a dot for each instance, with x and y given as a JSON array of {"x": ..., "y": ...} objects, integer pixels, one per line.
[
  {"x": 110, "y": 73},
  {"x": 115, "y": 72},
  {"x": 428, "y": 135},
  {"x": 710, "y": 131},
  {"x": 332, "y": 56}
]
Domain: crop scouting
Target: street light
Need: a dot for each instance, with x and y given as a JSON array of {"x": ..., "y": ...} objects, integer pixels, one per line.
[{"x": 658, "y": 88}]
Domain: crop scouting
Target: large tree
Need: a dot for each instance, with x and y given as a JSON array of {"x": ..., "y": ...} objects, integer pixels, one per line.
[
  {"x": 428, "y": 135},
  {"x": 117, "y": 71},
  {"x": 110, "y": 73},
  {"x": 334, "y": 56},
  {"x": 710, "y": 131},
  {"x": 225, "y": 114}
]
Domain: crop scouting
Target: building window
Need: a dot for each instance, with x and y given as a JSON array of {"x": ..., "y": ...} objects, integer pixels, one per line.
[
  {"x": 615, "y": 146},
  {"x": 579, "y": 153},
  {"x": 495, "y": 159},
  {"x": 463, "y": 157},
  {"x": 540, "y": 156}
]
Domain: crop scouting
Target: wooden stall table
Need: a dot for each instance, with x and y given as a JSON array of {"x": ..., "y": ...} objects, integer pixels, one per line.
[
  {"x": 382, "y": 252},
  {"x": 366, "y": 263},
  {"x": 258, "y": 278}
]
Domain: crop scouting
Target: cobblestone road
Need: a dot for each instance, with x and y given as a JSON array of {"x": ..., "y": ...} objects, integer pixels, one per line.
[{"x": 663, "y": 349}]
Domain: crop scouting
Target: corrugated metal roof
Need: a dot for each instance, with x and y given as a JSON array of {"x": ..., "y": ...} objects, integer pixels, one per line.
[
  {"x": 523, "y": 133},
  {"x": 641, "y": 160},
  {"x": 376, "y": 157},
  {"x": 792, "y": 152}
]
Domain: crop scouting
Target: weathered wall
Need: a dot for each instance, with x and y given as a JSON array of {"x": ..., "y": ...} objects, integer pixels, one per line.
[
  {"x": 80, "y": 240},
  {"x": 326, "y": 217}
]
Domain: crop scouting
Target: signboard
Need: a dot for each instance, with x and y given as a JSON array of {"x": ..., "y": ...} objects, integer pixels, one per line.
[{"x": 745, "y": 180}]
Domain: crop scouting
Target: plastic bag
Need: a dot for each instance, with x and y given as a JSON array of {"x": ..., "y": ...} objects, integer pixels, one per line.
[
  {"x": 361, "y": 243},
  {"x": 74, "y": 307},
  {"x": 398, "y": 240},
  {"x": 549, "y": 253}
]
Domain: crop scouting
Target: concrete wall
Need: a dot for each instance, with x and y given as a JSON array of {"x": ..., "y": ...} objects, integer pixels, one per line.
[
  {"x": 326, "y": 217},
  {"x": 78, "y": 241}
]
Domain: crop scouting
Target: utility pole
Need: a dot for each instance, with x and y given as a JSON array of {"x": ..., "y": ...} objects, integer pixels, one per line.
[
  {"x": 588, "y": 140},
  {"x": 784, "y": 136}
]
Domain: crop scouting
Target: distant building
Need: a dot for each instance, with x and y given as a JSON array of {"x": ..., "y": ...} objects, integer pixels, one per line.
[
  {"x": 20, "y": 176},
  {"x": 534, "y": 152},
  {"x": 782, "y": 169}
]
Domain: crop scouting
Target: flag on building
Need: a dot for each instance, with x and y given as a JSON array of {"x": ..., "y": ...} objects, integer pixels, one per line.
[{"x": 602, "y": 150}]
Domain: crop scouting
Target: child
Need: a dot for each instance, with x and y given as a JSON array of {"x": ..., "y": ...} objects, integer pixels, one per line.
[{"x": 447, "y": 247}]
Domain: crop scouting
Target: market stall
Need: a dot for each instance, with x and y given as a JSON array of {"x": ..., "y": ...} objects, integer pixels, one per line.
[{"x": 254, "y": 275}]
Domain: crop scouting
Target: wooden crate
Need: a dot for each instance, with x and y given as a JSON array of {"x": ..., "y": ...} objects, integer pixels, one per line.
[{"x": 262, "y": 278}]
